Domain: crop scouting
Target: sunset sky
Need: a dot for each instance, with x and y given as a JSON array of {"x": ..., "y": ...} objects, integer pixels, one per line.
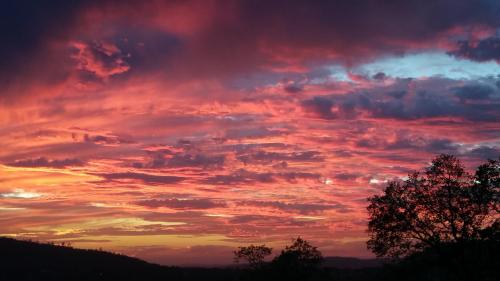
[{"x": 176, "y": 131}]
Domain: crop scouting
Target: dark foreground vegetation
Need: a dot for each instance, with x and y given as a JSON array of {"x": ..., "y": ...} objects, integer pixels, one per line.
[
  {"x": 440, "y": 224},
  {"x": 23, "y": 260}
]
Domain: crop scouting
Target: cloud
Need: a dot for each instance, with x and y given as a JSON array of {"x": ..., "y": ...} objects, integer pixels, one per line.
[
  {"x": 145, "y": 178},
  {"x": 346, "y": 176},
  {"x": 21, "y": 194},
  {"x": 44, "y": 162},
  {"x": 179, "y": 42},
  {"x": 302, "y": 208},
  {"x": 182, "y": 204},
  {"x": 196, "y": 161},
  {"x": 474, "y": 92},
  {"x": 436, "y": 97},
  {"x": 240, "y": 176},
  {"x": 168, "y": 159},
  {"x": 100, "y": 59},
  {"x": 268, "y": 157},
  {"x": 485, "y": 50},
  {"x": 102, "y": 139},
  {"x": 33, "y": 56},
  {"x": 484, "y": 152},
  {"x": 293, "y": 88},
  {"x": 252, "y": 132},
  {"x": 409, "y": 142},
  {"x": 319, "y": 107},
  {"x": 295, "y": 176}
]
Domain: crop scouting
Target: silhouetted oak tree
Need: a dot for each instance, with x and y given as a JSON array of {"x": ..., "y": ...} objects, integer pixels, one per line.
[
  {"x": 443, "y": 204},
  {"x": 253, "y": 255},
  {"x": 298, "y": 261}
]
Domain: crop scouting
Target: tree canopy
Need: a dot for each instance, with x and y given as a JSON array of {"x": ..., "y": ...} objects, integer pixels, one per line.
[
  {"x": 253, "y": 255},
  {"x": 298, "y": 261},
  {"x": 442, "y": 204}
]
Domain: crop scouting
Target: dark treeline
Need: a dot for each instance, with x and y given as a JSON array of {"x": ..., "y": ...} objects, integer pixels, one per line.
[
  {"x": 440, "y": 224},
  {"x": 23, "y": 260}
]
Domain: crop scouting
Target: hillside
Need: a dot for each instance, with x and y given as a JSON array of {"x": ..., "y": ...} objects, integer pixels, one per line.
[{"x": 24, "y": 260}]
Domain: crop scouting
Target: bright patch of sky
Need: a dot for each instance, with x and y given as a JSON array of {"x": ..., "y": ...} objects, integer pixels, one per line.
[
  {"x": 429, "y": 64},
  {"x": 338, "y": 72},
  {"x": 20, "y": 193},
  {"x": 420, "y": 65}
]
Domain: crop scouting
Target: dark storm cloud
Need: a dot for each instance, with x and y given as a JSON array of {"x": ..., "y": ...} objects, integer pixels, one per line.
[
  {"x": 130, "y": 50},
  {"x": 409, "y": 142},
  {"x": 147, "y": 48},
  {"x": 44, "y": 43},
  {"x": 44, "y": 162},
  {"x": 379, "y": 76},
  {"x": 485, "y": 50},
  {"x": 474, "y": 92},
  {"x": 485, "y": 152},
  {"x": 35, "y": 36},
  {"x": 345, "y": 28},
  {"x": 427, "y": 102},
  {"x": 293, "y": 88},
  {"x": 319, "y": 107},
  {"x": 441, "y": 146},
  {"x": 27, "y": 29}
]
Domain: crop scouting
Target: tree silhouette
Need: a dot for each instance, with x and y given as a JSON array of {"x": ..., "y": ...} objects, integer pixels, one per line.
[
  {"x": 253, "y": 255},
  {"x": 298, "y": 261},
  {"x": 441, "y": 205}
]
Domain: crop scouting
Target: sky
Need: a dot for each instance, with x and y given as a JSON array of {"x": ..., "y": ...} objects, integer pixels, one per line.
[{"x": 176, "y": 131}]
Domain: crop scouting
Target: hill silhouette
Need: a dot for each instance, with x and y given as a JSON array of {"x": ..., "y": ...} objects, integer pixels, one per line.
[{"x": 26, "y": 260}]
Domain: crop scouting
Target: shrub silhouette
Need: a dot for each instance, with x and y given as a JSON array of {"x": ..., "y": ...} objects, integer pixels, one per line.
[
  {"x": 300, "y": 261},
  {"x": 253, "y": 255}
]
